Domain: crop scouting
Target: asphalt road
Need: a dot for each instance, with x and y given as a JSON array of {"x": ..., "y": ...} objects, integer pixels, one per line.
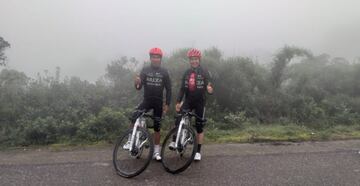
[{"x": 310, "y": 163}]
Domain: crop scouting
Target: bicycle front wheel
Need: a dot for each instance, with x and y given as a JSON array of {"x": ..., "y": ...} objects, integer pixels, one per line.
[
  {"x": 131, "y": 163},
  {"x": 176, "y": 160}
]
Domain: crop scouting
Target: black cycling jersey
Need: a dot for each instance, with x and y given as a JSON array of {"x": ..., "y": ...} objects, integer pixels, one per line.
[
  {"x": 154, "y": 80},
  {"x": 193, "y": 85}
]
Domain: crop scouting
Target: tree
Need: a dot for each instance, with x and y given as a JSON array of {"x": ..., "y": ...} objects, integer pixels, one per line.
[
  {"x": 121, "y": 73},
  {"x": 12, "y": 91},
  {"x": 282, "y": 59},
  {"x": 3, "y": 45}
]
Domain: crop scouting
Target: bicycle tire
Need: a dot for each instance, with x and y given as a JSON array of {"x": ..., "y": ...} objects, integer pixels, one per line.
[{"x": 119, "y": 145}]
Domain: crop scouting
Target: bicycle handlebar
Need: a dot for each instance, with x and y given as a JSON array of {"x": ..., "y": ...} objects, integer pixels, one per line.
[{"x": 191, "y": 114}]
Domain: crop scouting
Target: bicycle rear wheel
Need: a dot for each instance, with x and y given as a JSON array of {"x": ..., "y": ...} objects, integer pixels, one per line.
[
  {"x": 179, "y": 159},
  {"x": 129, "y": 164}
]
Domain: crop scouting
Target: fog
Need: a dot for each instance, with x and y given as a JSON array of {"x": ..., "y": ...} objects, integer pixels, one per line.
[{"x": 83, "y": 36}]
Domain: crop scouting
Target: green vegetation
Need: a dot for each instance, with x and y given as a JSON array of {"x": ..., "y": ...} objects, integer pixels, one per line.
[
  {"x": 314, "y": 97},
  {"x": 279, "y": 133}
]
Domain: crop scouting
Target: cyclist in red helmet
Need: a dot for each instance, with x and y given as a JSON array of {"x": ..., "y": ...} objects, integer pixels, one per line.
[
  {"x": 195, "y": 83},
  {"x": 154, "y": 79}
]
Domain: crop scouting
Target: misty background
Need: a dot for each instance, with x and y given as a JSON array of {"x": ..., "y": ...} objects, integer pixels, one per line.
[{"x": 82, "y": 36}]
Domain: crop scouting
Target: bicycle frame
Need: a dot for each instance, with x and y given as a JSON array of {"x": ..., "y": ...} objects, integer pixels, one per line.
[
  {"x": 184, "y": 121},
  {"x": 140, "y": 122}
]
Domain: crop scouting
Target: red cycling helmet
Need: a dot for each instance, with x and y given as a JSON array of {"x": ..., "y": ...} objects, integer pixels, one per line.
[
  {"x": 156, "y": 51},
  {"x": 194, "y": 53}
]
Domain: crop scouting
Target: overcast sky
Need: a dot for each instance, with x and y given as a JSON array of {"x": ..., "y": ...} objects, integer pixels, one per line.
[{"x": 82, "y": 36}]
